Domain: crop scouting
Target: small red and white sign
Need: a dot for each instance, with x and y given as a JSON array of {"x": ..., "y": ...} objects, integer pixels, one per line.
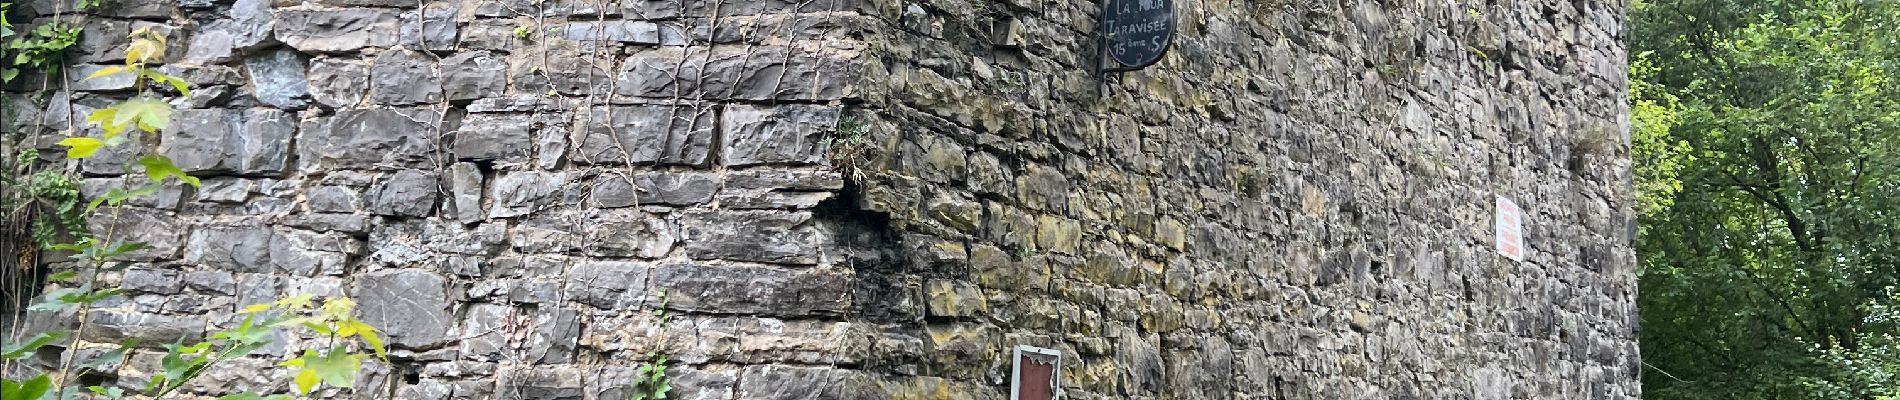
[
  {"x": 1037, "y": 375},
  {"x": 1510, "y": 230}
]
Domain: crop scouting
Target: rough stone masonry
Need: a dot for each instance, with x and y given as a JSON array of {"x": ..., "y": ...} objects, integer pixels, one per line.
[{"x": 878, "y": 199}]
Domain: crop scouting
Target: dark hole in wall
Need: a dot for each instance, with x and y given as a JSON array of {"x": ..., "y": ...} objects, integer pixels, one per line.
[{"x": 882, "y": 274}]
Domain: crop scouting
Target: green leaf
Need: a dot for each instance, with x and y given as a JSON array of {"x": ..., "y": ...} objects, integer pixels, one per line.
[
  {"x": 118, "y": 196},
  {"x": 180, "y": 362},
  {"x": 104, "y": 118},
  {"x": 109, "y": 357},
  {"x": 80, "y": 246},
  {"x": 15, "y": 351},
  {"x": 160, "y": 167},
  {"x": 81, "y": 147},
  {"x": 370, "y": 337},
  {"x": 32, "y": 389},
  {"x": 108, "y": 392},
  {"x": 61, "y": 299},
  {"x": 142, "y": 191},
  {"x": 62, "y": 276},
  {"x": 306, "y": 380},
  {"x": 184, "y": 89},
  {"x": 105, "y": 72},
  {"x": 146, "y": 113},
  {"x": 249, "y": 331},
  {"x": 107, "y": 253},
  {"x": 335, "y": 367}
]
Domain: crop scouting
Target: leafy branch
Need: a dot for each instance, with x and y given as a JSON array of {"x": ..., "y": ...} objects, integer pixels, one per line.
[{"x": 334, "y": 364}]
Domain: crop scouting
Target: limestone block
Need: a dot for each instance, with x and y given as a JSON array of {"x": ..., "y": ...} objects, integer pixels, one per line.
[
  {"x": 253, "y": 141},
  {"x": 409, "y": 306},
  {"x": 335, "y": 30},
  {"x": 771, "y": 237},
  {"x": 645, "y": 134},
  {"x": 788, "y": 134},
  {"x": 752, "y": 289},
  {"x": 368, "y": 139}
]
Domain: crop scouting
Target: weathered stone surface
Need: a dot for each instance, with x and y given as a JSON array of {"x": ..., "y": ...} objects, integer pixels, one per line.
[
  {"x": 636, "y": 32},
  {"x": 335, "y": 30},
  {"x": 559, "y": 67},
  {"x": 338, "y": 83},
  {"x": 345, "y": 223},
  {"x": 219, "y": 282},
  {"x": 787, "y": 238},
  {"x": 365, "y": 3},
  {"x": 802, "y": 383},
  {"x": 676, "y": 188},
  {"x": 310, "y": 253},
  {"x": 140, "y": 9},
  {"x": 646, "y": 134},
  {"x": 522, "y": 193},
  {"x": 368, "y": 139},
  {"x": 245, "y": 142},
  {"x": 465, "y": 193},
  {"x": 473, "y": 75},
  {"x": 432, "y": 29},
  {"x": 628, "y": 233},
  {"x": 790, "y": 134},
  {"x": 545, "y": 383},
  {"x": 162, "y": 232},
  {"x": 500, "y": 138},
  {"x": 613, "y": 191},
  {"x": 688, "y": 383},
  {"x": 113, "y": 82},
  {"x": 166, "y": 198},
  {"x": 213, "y": 44},
  {"x": 651, "y": 9},
  {"x": 407, "y": 193},
  {"x": 772, "y": 199},
  {"x": 752, "y": 290},
  {"x": 955, "y": 299},
  {"x": 150, "y": 281},
  {"x": 493, "y": 333},
  {"x": 607, "y": 285},
  {"x": 404, "y": 78},
  {"x": 845, "y": 200},
  {"x": 617, "y": 233},
  {"x": 550, "y": 8},
  {"x": 409, "y": 306},
  {"x": 277, "y": 78},
  {"x": 752, "y": 73},
  {"x": 110, "y": 326},
  {"x": 809, "y": 179},
  {"x": 252, "y": 24},
  {"x": 333, "y": 199}
]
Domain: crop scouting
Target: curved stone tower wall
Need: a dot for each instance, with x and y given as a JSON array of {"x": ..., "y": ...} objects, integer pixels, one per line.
[{"x": 876, "y": 199}]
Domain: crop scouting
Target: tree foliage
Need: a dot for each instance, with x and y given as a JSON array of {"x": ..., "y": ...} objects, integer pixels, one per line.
[
  {"x": 1767, "y": 139},
  {"x": 334, "y": 363}
]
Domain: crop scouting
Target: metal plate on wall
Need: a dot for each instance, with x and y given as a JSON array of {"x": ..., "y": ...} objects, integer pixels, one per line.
[{"x": 1139, "y": 31}]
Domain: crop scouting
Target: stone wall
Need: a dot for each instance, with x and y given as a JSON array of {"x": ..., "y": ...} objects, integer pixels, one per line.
[{"x": 870, "y": 199}]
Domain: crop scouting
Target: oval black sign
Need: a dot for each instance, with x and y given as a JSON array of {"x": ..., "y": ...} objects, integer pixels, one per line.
[{"x": 1138, "y": 31}]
